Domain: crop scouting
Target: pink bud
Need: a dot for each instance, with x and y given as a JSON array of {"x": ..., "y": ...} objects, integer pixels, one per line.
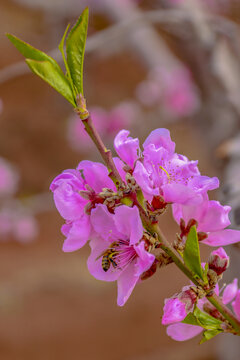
[
  {"x": 174, "y": 311},
  {"x": 177, "y": 308},
  {"x": 218, "y": 261}
]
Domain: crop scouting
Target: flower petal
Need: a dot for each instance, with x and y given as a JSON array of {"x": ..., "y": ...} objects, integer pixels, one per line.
[
  {"x": 126, "y": 147},
  {"x": 230, "y": 292},
  {"x": 204, "y": 183},
  {"x": 223, "y": 237},
  {"x": 182, "y": 332},
  {"x": 145, "y": 259},
  {"x": 68, "y": 201},
  {"x": 160, "y": 138},
  {"x": 236, "y": 305},
  {"x": 143, "y": 179},
  {"x": 215, "y": 217},
  {"x": 119, "y": 165},
  {"x": 126, "y": 283},
  {"x": 181, "y": 194},
  {"x": 174, "y": 311},
  {"x": 103, "y": 223},
  {"x": 128, "y": 223},
  {"x": 95, "y": 175},
  {"x": 77, "y": 235}
]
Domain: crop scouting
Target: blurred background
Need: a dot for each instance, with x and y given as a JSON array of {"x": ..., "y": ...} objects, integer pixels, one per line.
[{"x": 148, "y": 64}]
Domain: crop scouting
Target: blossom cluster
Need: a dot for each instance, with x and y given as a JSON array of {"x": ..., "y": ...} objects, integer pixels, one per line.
[
  {"x": 106, "y": 215},
  {"x": 177, "y": 308}
]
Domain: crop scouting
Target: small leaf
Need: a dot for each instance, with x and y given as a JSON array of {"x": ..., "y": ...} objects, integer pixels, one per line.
[
  {"x": 209, "y": 334},
  {"x": 53, "y": 76},
  {"x": 29, "y": 51},
  {"x": 191, "y": 253},
  {"x": 207, "y": 321},
  {"x": 61, "y": 48},
  {"x": 45, "y": 67},
  {"x": 75, "y": 47},
  {"x": 191, "y": 320}
]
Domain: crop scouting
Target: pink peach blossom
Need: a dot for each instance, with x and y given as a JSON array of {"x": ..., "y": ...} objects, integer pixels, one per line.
[{"x": 119, "y": 234}]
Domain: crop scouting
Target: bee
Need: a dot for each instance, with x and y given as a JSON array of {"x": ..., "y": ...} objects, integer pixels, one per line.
[
  {"x": 108, "y": 260},
  {"x": 108, "y": 257}
]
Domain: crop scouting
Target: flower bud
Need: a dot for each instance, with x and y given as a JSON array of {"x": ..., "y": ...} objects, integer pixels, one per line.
[
  {"x": 177, "y": 308},
  {"x": 218, "y": 261},
  {"x": 174, "y": 311}
]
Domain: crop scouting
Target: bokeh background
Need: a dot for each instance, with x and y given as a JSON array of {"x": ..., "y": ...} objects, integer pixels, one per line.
[{"x": 149, "y": 63}]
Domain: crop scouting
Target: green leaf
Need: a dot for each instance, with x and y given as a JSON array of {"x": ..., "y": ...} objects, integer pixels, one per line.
[
  {"x": 45, "y": 67},
  {"x": 207, "y": 321},
  {"x": 53, "y": 76},
  {"x": 30, "y": 52},
  {"x": 61, "y": 48},
  {"x": 191, "y": 253},
  {"x": 191, "y": 320},
  {"x": 209, "y": 334},
  {"x": 75, "y": 47}
]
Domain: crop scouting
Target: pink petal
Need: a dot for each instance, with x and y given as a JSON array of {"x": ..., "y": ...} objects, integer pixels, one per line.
[
  {"x": 68, "y": 201},
  {"x": 178, "y": 193},
  {"x": 128, "y": 223},
  {"x": 216, "y": 290},
  {"x": 223, "y": 237},
  {"x": 145, "y": 259},
  {"x": 119, "y": 165},
  {"x": 126, "y": 147},
  {"x": 96, "y": 175},
  {"x": 236, "y": 305},
  {"x": 103, "y": 223},
  {"x": 142, "y": 178},
  {"x": 126, "y": 283},
  {"x": 215, "y": 217},
  {"x": 177, "y": 212},
  {"x": 204, "y": 183},
  {"x": 78, "y": 234},
  {"x": 174, "y": 311},
  {"x": 182, "y": 332},
  {"x": 230, "y": 292},
  {"x": 160, "y": 138}
]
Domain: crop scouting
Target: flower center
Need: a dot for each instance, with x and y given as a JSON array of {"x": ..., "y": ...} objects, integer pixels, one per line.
[{"x": 119, "y": 255}]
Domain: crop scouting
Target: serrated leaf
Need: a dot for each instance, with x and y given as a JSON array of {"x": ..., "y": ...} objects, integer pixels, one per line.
[
  {"x": 53, "y": 76},
  {"x": 75, "y": 48},
  {"x": 191, "y": 253},
  {"x": 209, "y": 334},
  {"x": 207, "y": 321}
]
